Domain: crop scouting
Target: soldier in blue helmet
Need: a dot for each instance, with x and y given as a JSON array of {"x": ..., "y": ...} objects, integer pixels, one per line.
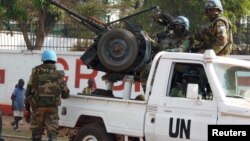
[
  {"x": 217, "y": 34},
  {"x": 45, "y": 89},
  {"x": 179, "y": 39}
]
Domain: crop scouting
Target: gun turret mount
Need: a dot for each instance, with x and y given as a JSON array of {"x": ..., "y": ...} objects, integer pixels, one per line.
[{"x": 116, "y": 51}]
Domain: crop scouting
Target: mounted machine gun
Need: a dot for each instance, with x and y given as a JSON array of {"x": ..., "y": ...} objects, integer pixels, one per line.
[{"x": 116, "y": 51}]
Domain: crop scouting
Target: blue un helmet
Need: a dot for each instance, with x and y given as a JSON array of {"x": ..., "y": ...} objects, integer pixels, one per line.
[
  {"x": 182, "y": 20},
  {"x": 49, "y": 55},
  {"x": 213, "y": 4}
]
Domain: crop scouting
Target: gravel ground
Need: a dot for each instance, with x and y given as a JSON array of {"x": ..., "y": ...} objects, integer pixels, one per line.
[{"x": 23, "y": 134}]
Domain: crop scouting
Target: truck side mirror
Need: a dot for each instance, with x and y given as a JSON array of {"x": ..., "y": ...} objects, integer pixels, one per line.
[{"x": 192, "y": 91}]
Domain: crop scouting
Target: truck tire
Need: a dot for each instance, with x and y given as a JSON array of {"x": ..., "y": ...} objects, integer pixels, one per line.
[
  {"x": 117, "y": 50},
  {"x": 93, "y": 132}
]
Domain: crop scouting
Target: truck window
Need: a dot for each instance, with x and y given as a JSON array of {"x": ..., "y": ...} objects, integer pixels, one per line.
[
  {"x": 234, "y": 80},
  {"x": 184, "y": 73}
]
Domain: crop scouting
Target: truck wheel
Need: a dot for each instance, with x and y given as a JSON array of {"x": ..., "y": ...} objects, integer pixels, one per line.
[
  {"x": 117, "y": 49},
  {"x": 93, "y": 132}
]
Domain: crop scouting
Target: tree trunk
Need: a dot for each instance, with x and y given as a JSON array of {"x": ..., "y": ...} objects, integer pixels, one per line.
[
  {"x": 25, "y": 35},
  {"x": 40, "y": 32}
]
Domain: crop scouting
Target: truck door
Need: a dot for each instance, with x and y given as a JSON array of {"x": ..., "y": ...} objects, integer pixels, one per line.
[{"x": 181, "y": 118}]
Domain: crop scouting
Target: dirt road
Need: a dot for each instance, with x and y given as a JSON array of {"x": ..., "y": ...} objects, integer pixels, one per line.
[{"x": 23, "y": 135}]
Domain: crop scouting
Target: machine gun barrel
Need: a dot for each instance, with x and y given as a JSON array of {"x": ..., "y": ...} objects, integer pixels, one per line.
[
  {"x": 116, "y": 51},
  {"x": 138, "y": 13},
  {"x": 93, "y": 24}
]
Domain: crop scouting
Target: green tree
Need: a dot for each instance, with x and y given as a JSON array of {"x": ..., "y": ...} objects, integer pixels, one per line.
[
  {"x": 89, "y": 9},
  {"x": 39, "y": 17},
  {"x": 32, "y": 16},
  {"x": 194, "y": 10},
  {"x": 1, "y": 15},
  {"x": 97, "y": 9}
]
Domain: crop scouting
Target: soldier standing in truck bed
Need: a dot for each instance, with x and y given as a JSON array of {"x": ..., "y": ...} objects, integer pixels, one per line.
[
  {"x": 217, "y": 34},
  {"x": 179, "y": 40}
]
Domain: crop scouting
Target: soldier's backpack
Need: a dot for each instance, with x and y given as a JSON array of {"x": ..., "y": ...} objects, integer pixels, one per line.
[{"x": 47, "y": 93}]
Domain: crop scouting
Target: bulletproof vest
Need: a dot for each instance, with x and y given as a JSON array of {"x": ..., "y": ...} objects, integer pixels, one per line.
[
  {"x": 208, "y": 35},
  {"x": 46, "y": 82},
  {"x": 229, "y": 46},
  {"x": 172, "y": 41}
]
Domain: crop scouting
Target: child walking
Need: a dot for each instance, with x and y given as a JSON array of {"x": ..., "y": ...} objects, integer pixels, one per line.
[{"x": 17, "y": 98}]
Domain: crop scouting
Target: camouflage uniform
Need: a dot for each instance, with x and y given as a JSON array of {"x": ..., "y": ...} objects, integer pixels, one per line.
[
  {"x": 181, "y": 88},
  {"x": 179, "y": 40},
  {"x": 217, "y": 35},
  {"x": 174, "y": 43},
  {"x": 45, "y": 89},
  {"x": 178, "y": 90},
  {"x": 171, "y": 41}
]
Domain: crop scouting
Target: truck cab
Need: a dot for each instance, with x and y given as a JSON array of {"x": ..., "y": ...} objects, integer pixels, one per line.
[{"x": 219, "y": 95}]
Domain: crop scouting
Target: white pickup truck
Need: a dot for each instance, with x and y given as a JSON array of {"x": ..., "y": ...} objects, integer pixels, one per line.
[{"x": 221, "y": 96}]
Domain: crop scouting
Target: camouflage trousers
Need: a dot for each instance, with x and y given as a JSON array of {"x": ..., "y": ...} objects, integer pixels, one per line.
[{"x": 44, "y": 118}]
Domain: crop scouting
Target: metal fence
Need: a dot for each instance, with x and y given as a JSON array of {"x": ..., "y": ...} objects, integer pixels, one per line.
[{"x": 14, "y": 41}]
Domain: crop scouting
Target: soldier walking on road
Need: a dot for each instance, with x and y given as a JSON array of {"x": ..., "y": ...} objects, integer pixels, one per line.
[{"x": 45, "y": 89}]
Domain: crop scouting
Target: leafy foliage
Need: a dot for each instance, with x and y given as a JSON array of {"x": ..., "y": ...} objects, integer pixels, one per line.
[
  {"x": 194, "y": 10},
  {"x": 89, "y": 8},
  {"x": 42, "y": 16},
  {"x": 28, "y": 14}
]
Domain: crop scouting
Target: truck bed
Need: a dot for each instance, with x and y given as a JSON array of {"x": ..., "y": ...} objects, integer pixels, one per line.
[{"x": 119, "y": 115}]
